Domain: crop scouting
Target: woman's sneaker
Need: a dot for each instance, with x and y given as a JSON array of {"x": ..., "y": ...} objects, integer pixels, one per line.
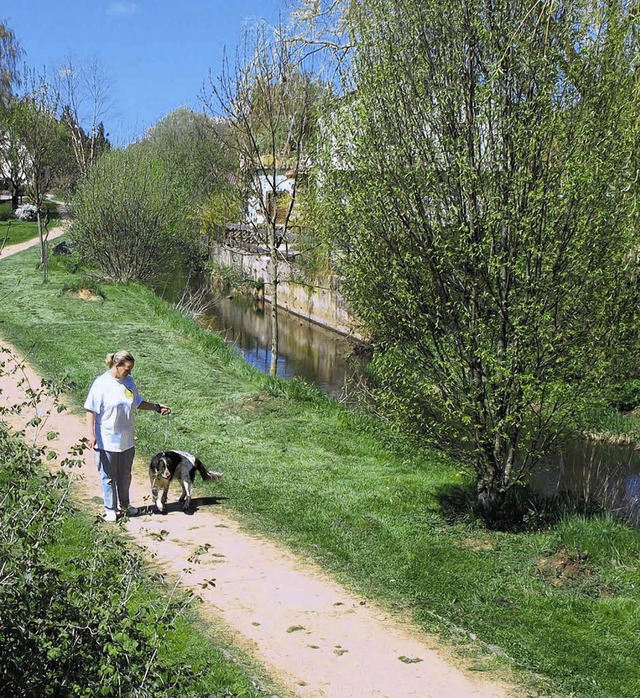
[
  {"x": 132, "y": 511},
  {"x": 110, "y": 515}
]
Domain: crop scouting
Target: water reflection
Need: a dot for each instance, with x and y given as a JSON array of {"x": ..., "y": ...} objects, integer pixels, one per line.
[
  {"x": 598, "y": 472},
  {"x": 321, "y": 357}
]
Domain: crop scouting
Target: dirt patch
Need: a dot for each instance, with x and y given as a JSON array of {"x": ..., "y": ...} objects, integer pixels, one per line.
[
  {"x": 85, "y": 294},
  {"x": 564, "y": 568},
  {"x": 477, "y": 544}
]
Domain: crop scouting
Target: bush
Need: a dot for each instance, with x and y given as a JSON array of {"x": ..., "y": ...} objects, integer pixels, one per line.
[
  {"x": 26, "y": 212},
  {"x": 93, "y": 626},
  {"x": 6, "y": 213},
  {"x": 627, "y": 397},
  {"x": 126, "y": 219}
]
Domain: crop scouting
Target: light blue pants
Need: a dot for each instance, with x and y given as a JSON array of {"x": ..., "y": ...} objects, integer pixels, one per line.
[{"x": 115, "y": 476}]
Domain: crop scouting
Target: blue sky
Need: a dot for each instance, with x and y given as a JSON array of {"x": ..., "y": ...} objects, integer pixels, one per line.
[{"x": 156, "y": 53}]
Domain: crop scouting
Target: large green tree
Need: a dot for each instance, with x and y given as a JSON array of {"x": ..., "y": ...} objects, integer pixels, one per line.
[
  {"x": 479, "y": 180},
  {"x": 189, "y": 147}
]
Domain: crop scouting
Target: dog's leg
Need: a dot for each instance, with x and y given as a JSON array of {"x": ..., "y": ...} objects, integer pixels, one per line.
[
  {"x": 160, "y": 498},
  {"x": 156, "y": 494},
  {"x": 163, "y": 501},
  {"x": 187, "y": 486},
  {"x": 159, "y": 491}
]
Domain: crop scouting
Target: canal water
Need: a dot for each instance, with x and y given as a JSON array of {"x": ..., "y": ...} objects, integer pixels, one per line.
[
  {"x": 321, "y": 357},
  {"x": 596, "y": 471}
]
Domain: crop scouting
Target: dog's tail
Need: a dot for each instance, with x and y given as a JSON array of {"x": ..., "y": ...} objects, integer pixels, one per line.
[{"x": 206, "y": 474}]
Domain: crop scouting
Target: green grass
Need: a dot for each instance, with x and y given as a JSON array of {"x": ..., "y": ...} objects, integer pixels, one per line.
[{"x": 336, "y": 486}]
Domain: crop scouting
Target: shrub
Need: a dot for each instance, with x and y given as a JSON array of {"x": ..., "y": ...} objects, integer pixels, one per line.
[
  {"x": 26, "y": 212},
  {"x": 627, "y": 396},
  {"x": 5, "y": 211},
  {"x": 92, "y": 625},
  {"x": 125, "y": 218}
]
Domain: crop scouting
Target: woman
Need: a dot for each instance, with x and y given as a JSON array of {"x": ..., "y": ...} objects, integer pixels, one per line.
[{"x": 110, "y": 405}]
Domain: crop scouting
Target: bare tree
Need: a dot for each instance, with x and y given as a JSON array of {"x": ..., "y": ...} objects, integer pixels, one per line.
[
  {"x": 85, "y": 94},
  {"x": 40, "y": 134},
  {"x": 267, "y": 101}
]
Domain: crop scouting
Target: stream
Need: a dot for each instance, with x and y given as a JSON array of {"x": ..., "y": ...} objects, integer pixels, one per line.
[{"x": 321, "y": 357}]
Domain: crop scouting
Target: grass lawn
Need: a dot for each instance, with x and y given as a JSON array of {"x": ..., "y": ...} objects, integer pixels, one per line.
[{"x": 559, "y": 607}]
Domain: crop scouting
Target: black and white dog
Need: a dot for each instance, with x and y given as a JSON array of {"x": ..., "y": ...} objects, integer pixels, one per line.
[{"x": 167, "y": 465}]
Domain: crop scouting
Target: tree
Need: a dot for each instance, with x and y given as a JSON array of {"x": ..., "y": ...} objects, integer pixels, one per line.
[
  {"x": 84, "y": 91},
  {"x": 189, "y": 147},
  {"x": 479, "y": 179},
  {"x": 267, "y": 104},
  {"x": 126, "y": 218},
  {"x": 38, "y": 132},
  {"x": 10, "y": 53},
  {"x": 11, "y": 169},
  {"x": 13, "y": 155}
]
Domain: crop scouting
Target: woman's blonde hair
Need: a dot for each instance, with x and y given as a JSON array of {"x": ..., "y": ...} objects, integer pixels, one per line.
[{"x": 118, "y": 358}]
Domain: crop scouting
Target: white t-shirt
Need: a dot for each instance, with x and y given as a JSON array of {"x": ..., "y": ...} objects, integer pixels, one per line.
[{"x": 114, "y": 403}]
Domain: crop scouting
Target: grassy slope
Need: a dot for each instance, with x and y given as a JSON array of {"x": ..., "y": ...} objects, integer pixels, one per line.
[{"x": 324, "y": 480}]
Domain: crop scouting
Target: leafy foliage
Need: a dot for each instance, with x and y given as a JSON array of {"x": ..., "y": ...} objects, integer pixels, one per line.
[
  {"x": 480, "y": 177},
  {"x": 189, "y": 148}
]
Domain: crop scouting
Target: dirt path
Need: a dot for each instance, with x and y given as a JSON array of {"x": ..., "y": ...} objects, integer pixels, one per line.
[
  {"x": 54, "y": 233},
  {"x": 312, "y": 635}
]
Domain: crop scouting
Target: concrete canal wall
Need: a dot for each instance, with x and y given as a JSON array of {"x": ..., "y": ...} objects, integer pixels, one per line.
[{"x": 323, "y": 305}]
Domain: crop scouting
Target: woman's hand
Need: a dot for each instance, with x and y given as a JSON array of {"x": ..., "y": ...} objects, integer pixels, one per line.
[{"x": 91, "y": 429}]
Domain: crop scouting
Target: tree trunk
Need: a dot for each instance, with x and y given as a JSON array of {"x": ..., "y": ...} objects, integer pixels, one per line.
[
  {"x": 490, "y": 498},
  {"x": 44, "y": 258},
  {"x": 489, "y": 487},
  {"x": 273, "y": 272}
]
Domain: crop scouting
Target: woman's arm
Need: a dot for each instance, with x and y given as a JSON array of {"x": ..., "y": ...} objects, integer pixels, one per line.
[
  {"x": 155, "y": 406},
  {"x": 91, "y": 429}
]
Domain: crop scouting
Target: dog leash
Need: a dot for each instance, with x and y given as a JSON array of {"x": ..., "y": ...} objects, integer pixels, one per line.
[{"x": 166, "y": 431}]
